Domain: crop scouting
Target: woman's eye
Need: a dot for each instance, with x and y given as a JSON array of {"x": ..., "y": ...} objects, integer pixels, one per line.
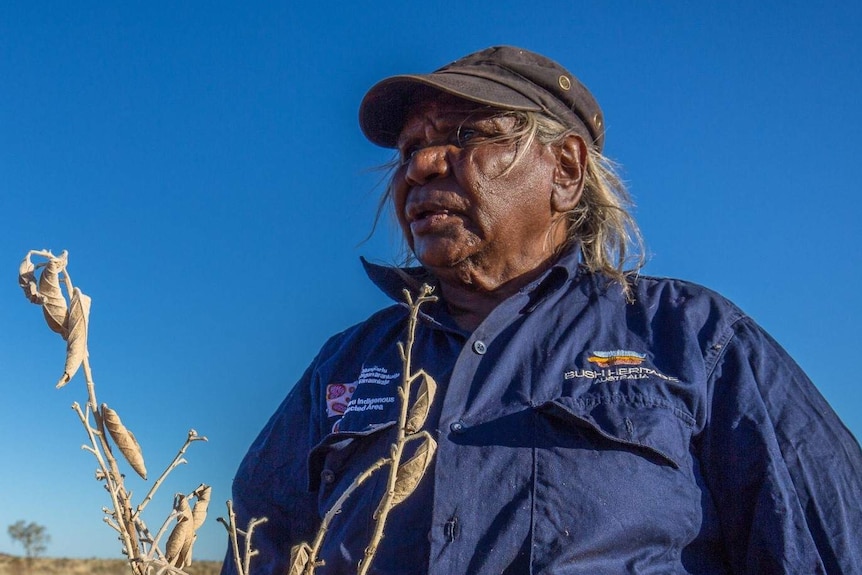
[
  {"x": 464, "y": 135},
  {"x": 408, "y": 153}
]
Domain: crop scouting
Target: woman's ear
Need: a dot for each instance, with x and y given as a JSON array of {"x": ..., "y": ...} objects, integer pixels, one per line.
[{"x": 569, "y": 173}]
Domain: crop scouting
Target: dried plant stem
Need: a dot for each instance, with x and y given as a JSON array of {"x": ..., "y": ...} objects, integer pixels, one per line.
[
  {"x": 336, "y": 509},
  {"x": 249, "y": 551},
  {"x": 120, "y": 498},
  {"x": 387, "y": 503},
  {"x": 113, "y": 478},
  {"x": 177, "y": 461},
  {"x": 67, "y": 314},
  {"x": 232, "y": 533},
  {"x": 154, "y": 548},
  {"x": 91, "y": 386},
  {"x": 115, "y": 490},
  {"x": 241, "y": 556}
]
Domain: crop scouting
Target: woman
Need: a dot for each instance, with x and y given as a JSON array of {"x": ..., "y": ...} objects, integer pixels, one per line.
[{"x": 586, "y": 419}]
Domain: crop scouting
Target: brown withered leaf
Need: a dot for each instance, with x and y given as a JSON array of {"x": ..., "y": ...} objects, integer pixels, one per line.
[
  {"x": 27, "y": 281},
  {"x": 424, "y": 398},
  {"x": 76, "y": 341},
  {"x": 54, "y": 304},
  {"x": 411, "y": 472},
  {"x": 125, "y": 440},
  {"x": 299, "y": 556},
  {"x": 179, "y": 546},
  {"x": 199, "y": 511}
]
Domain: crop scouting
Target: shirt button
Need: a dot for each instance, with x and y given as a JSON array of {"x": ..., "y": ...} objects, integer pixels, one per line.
[
  {"x": 327, "y": 476},
  {"x": 479, "y": 347},
  {"x": 457, "y": 427}
]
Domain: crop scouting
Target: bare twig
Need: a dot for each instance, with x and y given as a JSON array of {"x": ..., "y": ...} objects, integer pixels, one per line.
[
  {"x": 177, "y": 461},
  {"x": 388, "y": 502},
  {"x": 336, "y": 509},
  {"x": 403, "y": 478},
  {"x": 110, "y": 479},
  {"x": 154, "y": 549},
  {"x": 241, "y": 555}
]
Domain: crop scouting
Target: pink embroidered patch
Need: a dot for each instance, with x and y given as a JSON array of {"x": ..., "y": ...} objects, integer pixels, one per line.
[{"x": 337, "y": 398}]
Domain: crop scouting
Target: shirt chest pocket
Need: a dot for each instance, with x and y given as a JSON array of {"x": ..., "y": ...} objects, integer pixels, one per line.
[
  {"x": 656, "y": 431},
  {"x": 348, "y": 472},
  {"x": 335, "y": 462},
  {"x": 615, "y": 472},
  {"x": 340, "y": 452}
]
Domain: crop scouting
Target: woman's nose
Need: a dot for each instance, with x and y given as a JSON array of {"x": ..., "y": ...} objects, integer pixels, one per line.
[{"x": 427, "y": 164}]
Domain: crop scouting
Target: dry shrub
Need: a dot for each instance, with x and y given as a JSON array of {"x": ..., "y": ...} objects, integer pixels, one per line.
[
  {"x": 67, "y": 314},
  {"x": 66, "y": 310}
]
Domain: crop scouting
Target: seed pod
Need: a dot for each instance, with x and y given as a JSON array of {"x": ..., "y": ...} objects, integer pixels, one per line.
[
  {"x": 54, "y": 304},
  {"x": 199, "y": 512},
  {"x": 411, "y": 472},
  {"x": 125, "y": 440},
  {"x": 27, "y": 281},
  {"x": 424, "y": 399},
  {"x": 76, "y": 341},
  {"x": 299, "y": 556},
  {"x": 179, "y": 546}
]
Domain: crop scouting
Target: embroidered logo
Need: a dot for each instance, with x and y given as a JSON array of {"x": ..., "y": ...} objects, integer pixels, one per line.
[
  {"x": 617, "y": 365},
  {"x": 338, "y": 396},
  {"x": 368, "y": 404},
  {"x": 616, "y": 357},
  {"x": 376, "y": 375}
]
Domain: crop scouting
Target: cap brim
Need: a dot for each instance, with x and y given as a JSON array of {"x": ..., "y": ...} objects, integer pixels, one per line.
[{"x": 386, "y": 105}]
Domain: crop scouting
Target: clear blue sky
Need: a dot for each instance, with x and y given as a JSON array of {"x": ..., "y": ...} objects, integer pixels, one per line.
[{"x": 203, "y": 165}]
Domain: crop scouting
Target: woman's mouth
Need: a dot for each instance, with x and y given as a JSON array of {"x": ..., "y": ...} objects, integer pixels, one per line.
[{"x": 428, "y": 220}]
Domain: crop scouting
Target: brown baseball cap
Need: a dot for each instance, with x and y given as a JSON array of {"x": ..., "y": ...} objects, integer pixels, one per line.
[{"x": 503, "y": 77}]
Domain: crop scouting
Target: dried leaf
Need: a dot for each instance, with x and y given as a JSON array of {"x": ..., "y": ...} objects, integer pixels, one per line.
[
  {"x": 27, "y": 281},
  {"x": 125, "y": 440},
  {"x": 199, "y": 512},
  {"x": 179, "y": 546},
  {"x": 54, "y": 304},
  {"x": 299, "y": 556},
  {"x": 76, "y": 342},
  {"x": 411, "y": 472},
  {"x": 424, "y": 399}
]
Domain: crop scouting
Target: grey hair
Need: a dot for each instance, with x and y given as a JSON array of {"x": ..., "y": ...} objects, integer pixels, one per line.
[{"x": 601, "y": 224}]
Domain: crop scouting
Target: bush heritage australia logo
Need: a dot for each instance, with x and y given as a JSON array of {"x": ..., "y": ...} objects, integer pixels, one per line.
[
  {"x": 617, "y": 365},
  {"x": 616, "y": 357}
]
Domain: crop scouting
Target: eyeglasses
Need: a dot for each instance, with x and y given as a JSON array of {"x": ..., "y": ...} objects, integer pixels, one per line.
[{"x": 470, "y": 133}]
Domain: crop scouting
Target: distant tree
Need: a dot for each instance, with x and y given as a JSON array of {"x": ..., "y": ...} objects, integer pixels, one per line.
[{"x": 32, "y": 536}]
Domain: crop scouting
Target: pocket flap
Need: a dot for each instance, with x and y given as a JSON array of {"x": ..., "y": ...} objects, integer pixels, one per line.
[
  {"x": 654, "y": 428},
  {"x": 342, "y": 443}
]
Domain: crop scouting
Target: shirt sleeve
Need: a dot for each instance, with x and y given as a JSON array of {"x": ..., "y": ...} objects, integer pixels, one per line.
[
  {"x": 784, "y": 472},
  {"x": 272, "y": 482}
]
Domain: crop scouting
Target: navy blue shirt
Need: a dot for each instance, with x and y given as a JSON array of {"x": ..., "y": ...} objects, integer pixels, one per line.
[{"x": 578, "y": 433}]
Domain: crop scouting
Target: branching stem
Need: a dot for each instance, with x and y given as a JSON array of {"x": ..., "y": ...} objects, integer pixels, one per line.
[
  {"x": 177, "y": 461},
  {"x": 241, "y": 558},
  {"x": 111, "y": 483},
  {"x": 336, "y": 509},
  {"x": 408, "y": 378},
  {"x": 136, "y": 538}
]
